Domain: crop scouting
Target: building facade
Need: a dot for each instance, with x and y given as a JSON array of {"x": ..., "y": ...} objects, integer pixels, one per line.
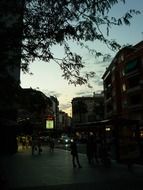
[
  {"x": 123, "y": 84},
  {"x": 87, "y": 109},
  {"x": 64, "y": 121},
  {"x": 55, "y": 108},
  {"x": 34, "y": 107},
  {"x": 11, "y": 22}
]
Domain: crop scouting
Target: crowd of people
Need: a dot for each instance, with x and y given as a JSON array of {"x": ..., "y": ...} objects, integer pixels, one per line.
[{"x": 96, "y": 150}]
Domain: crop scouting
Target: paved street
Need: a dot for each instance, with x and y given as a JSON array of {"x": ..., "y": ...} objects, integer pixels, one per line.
[{"x": 53, "y": 171}]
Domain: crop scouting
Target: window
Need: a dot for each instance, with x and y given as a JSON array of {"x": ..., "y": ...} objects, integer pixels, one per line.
[
  {"x": 132, "y": 65},
  {"x": 122, "y": 57},
  {"x": 134, "y": 100},
  {"x": 114, "y": 107},
  {"x": 124, "y": 103},
  {"x": 124, "y": 87},
  {"x": 133, "y": 81},
  {"x": 123, "y": 73}
]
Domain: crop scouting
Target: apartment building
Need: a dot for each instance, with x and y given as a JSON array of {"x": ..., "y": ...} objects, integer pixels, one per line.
[
  {"x": 123, "y": 84},
  {"x": 55, "y": 108},
  {"x": 64, "y": 120},
  {"x": 34, "y": 107},
  {"x": 87, "y": 109}
]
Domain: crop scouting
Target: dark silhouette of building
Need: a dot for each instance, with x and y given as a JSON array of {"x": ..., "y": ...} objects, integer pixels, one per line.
[
  {"x": 55, "y": 107},
  {"x": 10, "y": 60},
  {"x": 64, "y": 120},
  {"x": 87, "y": 109},
  {"x": 123, "y": 84},
  {"x": 34, "y": 107}
]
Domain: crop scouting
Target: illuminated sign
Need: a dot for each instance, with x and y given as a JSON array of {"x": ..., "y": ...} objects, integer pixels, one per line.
[
  {"x": 49, "y": 124},
  {"x": 50, "y": 117}
]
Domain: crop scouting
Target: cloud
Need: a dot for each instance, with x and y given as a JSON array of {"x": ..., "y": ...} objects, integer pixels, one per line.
[
  {"x": 51, "y": 93},
  {"x": 99, "y": 91},
  {"x": 100, "y": 83},
  {"x": 83, "y": 93},
  {"x": 98, "y": 79},
  {"x": 65, "y": 106}
]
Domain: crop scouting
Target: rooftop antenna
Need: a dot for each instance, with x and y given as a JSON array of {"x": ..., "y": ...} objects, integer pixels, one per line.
[{"x": 142, "y": 35}]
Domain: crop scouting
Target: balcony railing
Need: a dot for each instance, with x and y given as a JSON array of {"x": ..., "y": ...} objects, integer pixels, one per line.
[
  {"x": 134, "y": 89},
  {"x": 135, "y": 107}
]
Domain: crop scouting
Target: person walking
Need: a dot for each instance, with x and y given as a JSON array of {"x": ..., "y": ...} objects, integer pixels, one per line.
[
  {"x": 51, "y": 145},
  {"x": 36, "y": 144},
  {"x": 74, "y": 153},
  {"x": 90, "y": 149},
  {"x": 96, "y": 151}
]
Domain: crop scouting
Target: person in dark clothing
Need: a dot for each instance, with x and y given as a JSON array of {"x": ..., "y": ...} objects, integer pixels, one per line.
[
  {"x": 91, "y": 149},
  {"x": 96, "y": 149},
  {"x": 52, "y": 145},
  {"x": 36, "y": 144},
  {"x": 74, "y": 153}
]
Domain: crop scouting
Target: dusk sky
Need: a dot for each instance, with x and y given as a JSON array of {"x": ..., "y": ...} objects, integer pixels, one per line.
[{"x": 47, "y": 76}]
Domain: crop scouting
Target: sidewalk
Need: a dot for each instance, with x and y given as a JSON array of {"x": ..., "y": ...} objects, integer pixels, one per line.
[{"x": 54, "y": 171}]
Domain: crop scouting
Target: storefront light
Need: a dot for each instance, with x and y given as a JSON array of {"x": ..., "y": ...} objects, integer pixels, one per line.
[{"x": 107, "y": 129}]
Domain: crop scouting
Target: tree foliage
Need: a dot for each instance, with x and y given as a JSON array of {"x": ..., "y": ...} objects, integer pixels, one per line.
[{"x": 47, "y": 23}]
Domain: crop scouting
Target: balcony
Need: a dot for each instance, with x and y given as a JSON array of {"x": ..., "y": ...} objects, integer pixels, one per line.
[
  {"x": 134, "y": 89},
  {"x": 108, "y": 99},
  {"x": 135, "y": 101},
  {"x": 108, "y": 114},
  {"x": 135, "y": 107}
]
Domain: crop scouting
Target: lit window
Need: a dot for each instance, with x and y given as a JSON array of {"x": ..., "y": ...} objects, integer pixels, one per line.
[
  {"x": 123, "y": 73},
  {"x": 141, "y": 133},
  {"x": 113, "y": 68},
  {"x": 124, "y": 87},
  {"x": 122, "y": 57}
]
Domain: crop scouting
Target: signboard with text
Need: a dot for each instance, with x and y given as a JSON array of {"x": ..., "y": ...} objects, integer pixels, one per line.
[{"x": 50, "y": 122}]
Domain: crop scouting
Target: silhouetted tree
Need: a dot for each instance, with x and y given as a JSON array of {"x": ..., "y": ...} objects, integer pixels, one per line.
[
  {"x": 48, "y": 23},
  {"x": 42, "y": 24}
]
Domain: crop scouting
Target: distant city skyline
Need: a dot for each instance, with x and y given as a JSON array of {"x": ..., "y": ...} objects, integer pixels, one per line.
[{"x": 47, "y": 77}]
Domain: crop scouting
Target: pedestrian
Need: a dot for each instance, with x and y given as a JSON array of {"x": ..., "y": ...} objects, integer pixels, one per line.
[
  {"x": 36, "y": 144},
  {"x": 39, "y": 144},
  {"x": 95, "y": 149},
  {"x": 74, "y": 153},
  {"x": 105, "y": 154},
  {"x": 52, "y": 145},
  {"x": 90, "y": 149}
]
